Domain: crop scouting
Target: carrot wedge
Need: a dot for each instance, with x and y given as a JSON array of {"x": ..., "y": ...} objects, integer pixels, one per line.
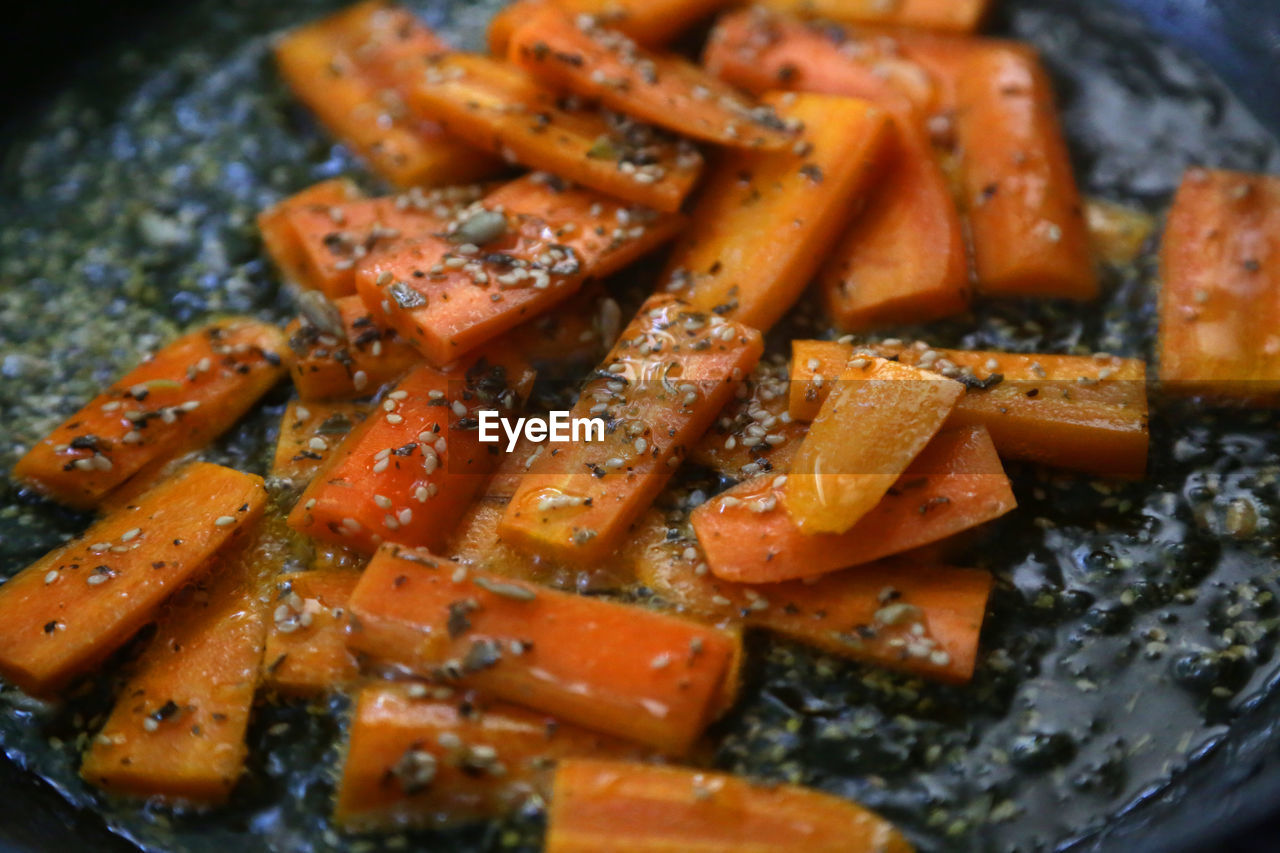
[
  {"x": 280, "y": 238},
  {"x": 955, "y": 484},
  {"x": 615, "y": 668},
  {"x": 345, "y": 352},
  {"x": 662, "y": 385},
  {"x": 765, "y": 220},
  {"x": 177, "y": 401},
  {"x": 308, "y": 434},
  {"x": 642, "y": 808},
  {"x": 1221, "y": 288},
  {"x": 653, "y": 23},
  {"x": 878, "y": 418},
  {"x": 58, "y": 619},
  {"x": 582, "y": 56},
  {"x": 306, "y": 644},
  {"x": 501, "y": 109}
]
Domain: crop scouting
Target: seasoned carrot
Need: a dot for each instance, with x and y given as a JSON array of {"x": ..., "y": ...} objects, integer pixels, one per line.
[
  {"x": 341, "y": 351},
  {"x": 306, "y": 645},
  {"x": 582, "y": 56},
  {"x": 501, "y": 109},
  {"x": 962, "y": 16},
  {"x": 618, "y": 669},
  {"x": 278, "y": 234},
  {"x": 566, "y": 342},
  {"x": 176, "y": 401},
  {"x": 662, "y": 385},
  {"x": 653, "y": 23},
  {"x": 414, "y": 761},
  {"x": 177, "y": 731},
  {"x": 1221, "y": 288},
  {"x": 877, "y": 419},
  {"x": 340, "y": 67},
  {"x": 765, "y": 220},
  {"x": 1084, "y": 413},
  {"x": 643, "y": 808},
  {"x": 956, "y": 484},
  {"x": 410, "y": 470},
  {"x": 754, "y": 434},
  {"x": 76, "y": 605},
  {"x": 308, "y": 435}
]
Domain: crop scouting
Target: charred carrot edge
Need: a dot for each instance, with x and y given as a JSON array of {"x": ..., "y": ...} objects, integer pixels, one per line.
[
  {"x": 306, "y": 645},
  {"x": 653, "y": 23},
  {"x": 350, "y": 354},
  {"x": 754, "y": 244},
  {"x": 176, "y": 401},
  {"x": 576, "y": 505},
  {"x": 1219, "y": 280},
  {"x": 614, "y": 668},
  {"x": 79, "y": 603},
  {"x": 1083, "y": 413},
  {"x": 961, "y": 16},
  {"x": 956, "y": 484},
  {"x": 614, "y": 805},
  {"x": 308, "y": 434},
  {"x": 279, "y": 237},
  {"x": 415, "y": 759}
]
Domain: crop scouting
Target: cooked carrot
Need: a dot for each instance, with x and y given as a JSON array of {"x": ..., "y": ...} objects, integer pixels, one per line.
[
  {"x": 501, "y": 109},
  {"x": 341, "y": 351},
  {"x": 877, "y": 419},
  {"x": 1084, "y": 413},
  {"x": 525, "y": 248},
  {"x": 177, "y": 731},
  {"x": 955, "y": 484},
  {"x": 963, "y": 16},
  {"x": 615, "y": 668},
  {"x": 643, "y": 808},
  {"x": 566, "y": 342},
  {"x": 76, "y": 605},
  {"x": 663, "y": 384},
  {"x": 176, "y": 401},
  {"x": 1221, "y": 288},
  {"x": 339, "y": 68},
  {"x": 754, "y": 434},
  {"x": 1117, "y": 232},
  {"x": 583, "y": 56},
  {"x": 278, "y": 234},
  {"x": 414, "y": 761},
  {"x": 765, "y": 220},
  {"x": 653, "y": 23},
  {"x": 306, "y": 644},
  {"x": 308, "y": 435}
]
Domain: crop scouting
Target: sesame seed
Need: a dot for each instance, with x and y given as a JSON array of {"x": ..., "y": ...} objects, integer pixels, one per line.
[{"x": 224, "y": 520}]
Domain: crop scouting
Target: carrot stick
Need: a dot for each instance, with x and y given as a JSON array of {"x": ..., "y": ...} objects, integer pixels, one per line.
[
  {"x": 76, "y": 605},
  {"x": 306, "y": 644},
  {"x": 1220, "y": 280},
  {"x": 308, "y": 435},
  {"x": 956, "y": 484},
  {"x": 878, "y": 418},
  {"x": 344, "y": 352},
  {"x": 643, "y": 808},
  {"x": 566, "y": 342},
  {"x": 765, "y": 220},
  {"x": 582, "y": 56},
  {"x": 176, "y": 401},
  {"x": 615, "y": 668},
  {"x": 415, "y": 761},
  {"x": 754, "y": 433},
  {"x": 653, "y": 23},
  {"x": 662, "y": 385},
  {"x": 279, "y": 237},
  {"x": 962, "y": 16},
  {"x": 501, "y": 109}
]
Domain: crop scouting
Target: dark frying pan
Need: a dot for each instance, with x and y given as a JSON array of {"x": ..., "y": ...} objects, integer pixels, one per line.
[{"x": 1225, "y": 799}]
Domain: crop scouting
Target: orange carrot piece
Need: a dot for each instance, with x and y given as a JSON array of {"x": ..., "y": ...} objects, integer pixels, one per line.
[
  {"x": 766, "y": 220},
  {"x": 280, "y": 238},
  {"x": 308, "y": 435},
  {"x": 57, "y": 619},
  {"x": 501, "y": 109},
  {"x": 306, "y": 644},
  {"x": 662, "y": 386},
  {"x": 582, "y": 56},
  {"x": 340, "y": 68},
  {"x": 735, "y": 447},
  {"x": 177, "y": 731},
  {"x": 653, "y": 23},
  {"x": 176, "y": 401},
  {"x": 365, "y": 356},
  {"x": 1118, "y": 232},
  {"x": 566, "y": 342},
  {"x": 1221, "y": 288},
  {"x": 955, "y": 484},
  {"x": 643, "y": 808},
  {"x": 877, "y": 419},
  {"x": 615, "y": 668},
  {"x": 1084, "y": 413},
  {"x": 414, "y": 761},
  {"x": 961, "y": 16}
]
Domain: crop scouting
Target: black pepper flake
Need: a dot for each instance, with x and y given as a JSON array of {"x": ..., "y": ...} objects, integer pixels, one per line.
[
  {"x": 50, "y": 627},
  {"x": 812, "y": 172}
]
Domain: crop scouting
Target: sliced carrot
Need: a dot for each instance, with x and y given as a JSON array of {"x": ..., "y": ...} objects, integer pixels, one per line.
[
  {"x": 176, "y": 401},
  {"x": 338, "y": 68},
  {"x": 501, "y": 109},
  {"x": 177, "y": 731},
  {"x": 877, "y": 419},
  {"x": 344, "y": 352},
  {"x": 278, "y": 234},
  {"x": 566, "y": 342},
  {"x": 956, "y": 484},
  {"x": 643, "y": 808},
  {"x": 663, "y": 384},
  {"x": 963, "y": 16},
  {"x": 1221, "y": 288},
  {"x": 615, "y": 668},
  {"x": 754, "y": 434},
  {"x": 76, "y": 605},
  {"x": 585, "y": 57},
  {"x": 414, "y": 761},
  {"x": 306, "y": 644},
  {"x": 765, "y": 220},
  {"x": 653, "y": 23},
  {"x": 1084, "y": 413},
  {"x": 308, "y": 435}
]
